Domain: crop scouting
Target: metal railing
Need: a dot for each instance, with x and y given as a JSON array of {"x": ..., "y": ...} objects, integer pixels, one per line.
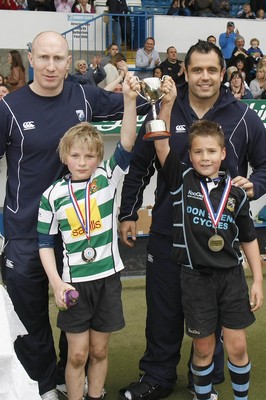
[{"x": 94, "y": 36}]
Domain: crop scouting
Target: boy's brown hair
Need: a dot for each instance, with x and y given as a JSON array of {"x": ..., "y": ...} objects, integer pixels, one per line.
[{"x": 206, "y": 128}]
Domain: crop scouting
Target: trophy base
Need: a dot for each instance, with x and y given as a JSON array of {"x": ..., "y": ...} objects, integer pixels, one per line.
[
  {"x": 156, "y": 130},
  {"x": 151, "y": 136}
]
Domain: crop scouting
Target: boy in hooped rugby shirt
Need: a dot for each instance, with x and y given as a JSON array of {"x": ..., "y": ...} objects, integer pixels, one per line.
[{"x": 82, "y": 206}]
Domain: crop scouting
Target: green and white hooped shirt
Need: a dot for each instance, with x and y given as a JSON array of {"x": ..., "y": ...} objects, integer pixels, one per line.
[{"x": 56, "y": 212}]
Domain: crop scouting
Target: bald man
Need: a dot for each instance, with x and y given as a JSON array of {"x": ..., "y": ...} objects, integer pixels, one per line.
[{"x": 32, "y": 121}]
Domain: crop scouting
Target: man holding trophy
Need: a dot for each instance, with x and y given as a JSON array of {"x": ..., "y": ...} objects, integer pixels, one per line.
[{"x": 202, "y": 97}]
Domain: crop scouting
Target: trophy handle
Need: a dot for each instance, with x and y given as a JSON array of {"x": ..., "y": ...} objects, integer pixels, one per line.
[{"x": 162, "y": 79}]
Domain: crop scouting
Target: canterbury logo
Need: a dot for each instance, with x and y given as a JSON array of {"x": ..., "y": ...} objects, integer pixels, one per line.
[
  {"x": 180, "y": 128},
  {"x": 28, "y": 125}
]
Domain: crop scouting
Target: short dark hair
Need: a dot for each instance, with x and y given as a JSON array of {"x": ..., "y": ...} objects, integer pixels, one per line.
[
  {"x": 170, "y": 47},
  {"x": 204, "y": 47},
  {"x": 211, "y": 36},
  {"x": 205, "y": 128},
  {"x": 157, "y": 67},
  {"x": 5, "y": 85},
  {"x": 112, "y": 44},
  {"x": 150, "y": 38}
]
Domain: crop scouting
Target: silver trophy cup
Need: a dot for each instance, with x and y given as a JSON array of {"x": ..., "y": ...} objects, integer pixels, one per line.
[{"x": 151, "y": 91}]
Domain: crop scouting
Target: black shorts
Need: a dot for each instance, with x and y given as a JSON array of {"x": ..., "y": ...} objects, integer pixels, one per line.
[
  {"x": 213, "y": 295},
  {"x": 99, "y": 307}
]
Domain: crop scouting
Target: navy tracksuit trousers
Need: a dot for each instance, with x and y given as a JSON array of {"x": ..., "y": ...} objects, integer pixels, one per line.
[{"x": 165, "y": 318}]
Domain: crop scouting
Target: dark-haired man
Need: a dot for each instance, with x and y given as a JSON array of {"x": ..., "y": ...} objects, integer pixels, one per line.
[{"x": 245, "y": 136}]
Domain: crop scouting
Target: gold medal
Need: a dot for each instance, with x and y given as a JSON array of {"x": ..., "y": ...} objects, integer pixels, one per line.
[{"x": 216, "y": 243}]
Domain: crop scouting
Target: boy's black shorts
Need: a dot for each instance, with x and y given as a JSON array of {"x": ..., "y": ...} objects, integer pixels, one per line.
[
  {"x": 212, "y": 295},
  {"x": 99, "y": 307}
]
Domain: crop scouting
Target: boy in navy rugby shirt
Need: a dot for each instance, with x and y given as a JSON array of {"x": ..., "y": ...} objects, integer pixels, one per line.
[{"x": 211, "y": 220}]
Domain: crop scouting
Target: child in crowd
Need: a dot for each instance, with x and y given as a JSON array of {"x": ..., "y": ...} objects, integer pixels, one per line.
[
  {"x": 82, "y": 205},
  {"x": 211, "y": 221},
  {"x": 254, "y": 49},
  {"x": 256, "y": 53}
]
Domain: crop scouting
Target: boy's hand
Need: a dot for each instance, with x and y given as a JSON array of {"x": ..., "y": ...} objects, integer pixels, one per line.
[
  {"x": 169, "y": 88},
  {"x": 256, "y": 296},
  {"x": 122, "y": 66},
  {"x": 131, "y": 86},
  {"x": 59, "y": 291}
]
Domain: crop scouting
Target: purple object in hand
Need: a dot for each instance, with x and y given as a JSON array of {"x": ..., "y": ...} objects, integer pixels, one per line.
[{"x": 71, "y": 297}]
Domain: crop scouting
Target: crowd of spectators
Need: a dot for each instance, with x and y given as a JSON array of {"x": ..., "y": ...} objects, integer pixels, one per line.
[
  {"x": 108, "y": 71},
  {"x": 217, "y": 8},
  {"x": 245, "y": 77},
  {"x": 66, "y": 6},
  {"x": 204, "y": 8}
]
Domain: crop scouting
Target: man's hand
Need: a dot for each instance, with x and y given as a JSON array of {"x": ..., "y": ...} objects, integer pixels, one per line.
[
  {"x": 96, "y": 61},
  {"x": 245, "y": 184},
  {"x": 127, "y": 232}
]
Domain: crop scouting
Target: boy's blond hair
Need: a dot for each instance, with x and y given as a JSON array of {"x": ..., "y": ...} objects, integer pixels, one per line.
[{"x": 85, "y": 134}]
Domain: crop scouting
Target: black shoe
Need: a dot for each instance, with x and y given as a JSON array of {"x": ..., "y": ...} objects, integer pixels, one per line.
[
  {"x": 144, "y": 391},
  {"x": 103, "y": 395}
]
